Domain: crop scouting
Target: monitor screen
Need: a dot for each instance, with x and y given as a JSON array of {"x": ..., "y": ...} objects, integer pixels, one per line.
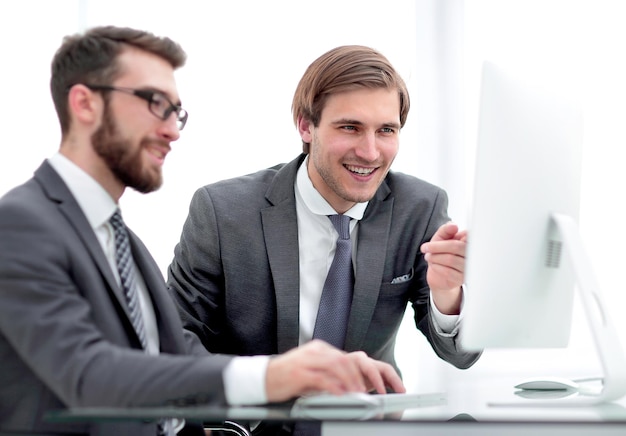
[{"x": 520, "y": 286}]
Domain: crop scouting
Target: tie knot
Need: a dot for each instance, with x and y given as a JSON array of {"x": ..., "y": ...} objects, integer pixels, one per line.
[
  {"x": 116, "y": 220},
  {"x": 342, "y": 225}
]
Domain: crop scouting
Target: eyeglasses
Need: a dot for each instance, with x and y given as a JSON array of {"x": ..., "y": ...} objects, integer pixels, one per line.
[{"x": 158, "y": 103}]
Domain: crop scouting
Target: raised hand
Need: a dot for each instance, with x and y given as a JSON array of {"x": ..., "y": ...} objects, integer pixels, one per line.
[{"x": 445, "y": 254}]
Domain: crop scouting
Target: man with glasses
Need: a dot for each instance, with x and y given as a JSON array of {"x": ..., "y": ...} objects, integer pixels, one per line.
[
  {"x": 158, "y": 103},
  {"x": 85, "y": 317}
]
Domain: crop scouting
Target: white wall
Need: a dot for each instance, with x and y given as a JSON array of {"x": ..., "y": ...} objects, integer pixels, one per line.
[{"x": 28, "y": 40}]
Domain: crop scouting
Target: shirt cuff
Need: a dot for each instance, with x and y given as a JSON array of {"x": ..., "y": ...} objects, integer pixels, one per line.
[
  {"x": 446, "y": 325},
  {"x": 244, "y": 380}
]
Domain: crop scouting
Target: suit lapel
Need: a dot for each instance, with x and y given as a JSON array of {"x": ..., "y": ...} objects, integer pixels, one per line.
[
  {"x": 280, "y": 227},
  {"x": 373, "y": 235},
  {"x": 281, "y": 234},
  {"x": 58, "y": 192}
]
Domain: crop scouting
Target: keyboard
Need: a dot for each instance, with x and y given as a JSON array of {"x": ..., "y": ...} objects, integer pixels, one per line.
[{"x": 359, "y": 400}]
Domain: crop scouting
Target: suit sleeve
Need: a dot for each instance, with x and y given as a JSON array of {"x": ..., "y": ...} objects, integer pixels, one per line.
[
  {"x": 195, "y": 278},
  {"x": 54, "y": 312},
  {"x": 446, "y": 346}
]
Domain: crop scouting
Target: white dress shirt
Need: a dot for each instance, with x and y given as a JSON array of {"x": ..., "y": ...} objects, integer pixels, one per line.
[{"x": 317, "y": 238}]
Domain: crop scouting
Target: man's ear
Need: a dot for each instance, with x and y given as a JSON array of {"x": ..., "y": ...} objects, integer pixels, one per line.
[
  {"x": 84, "y": 105},
  {"x": 305, "y": 128}
]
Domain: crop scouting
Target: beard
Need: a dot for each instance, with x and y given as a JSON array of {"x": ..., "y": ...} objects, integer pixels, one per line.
[{"x": 123, "y": 160}]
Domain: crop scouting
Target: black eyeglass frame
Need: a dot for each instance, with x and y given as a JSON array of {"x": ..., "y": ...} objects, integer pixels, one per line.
[{"x": 148, "y": 95}]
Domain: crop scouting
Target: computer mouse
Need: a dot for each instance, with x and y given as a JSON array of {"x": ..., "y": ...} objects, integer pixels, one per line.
[{"x": 547, "y": 384}]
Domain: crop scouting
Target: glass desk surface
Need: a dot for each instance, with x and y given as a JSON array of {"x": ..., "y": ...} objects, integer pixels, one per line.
[{"x": 495, "y": 401}]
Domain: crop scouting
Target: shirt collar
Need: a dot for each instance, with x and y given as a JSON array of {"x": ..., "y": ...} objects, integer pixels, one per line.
[
  {"x": 93, "y": 199},
  {"x": 314, "y": 200}
]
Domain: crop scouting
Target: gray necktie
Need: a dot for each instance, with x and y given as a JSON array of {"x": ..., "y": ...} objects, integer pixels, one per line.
[
  {"x": 126, "y": 269},
  {"x": 334, "y": 309},
  {"x": 332, "y": 316}
]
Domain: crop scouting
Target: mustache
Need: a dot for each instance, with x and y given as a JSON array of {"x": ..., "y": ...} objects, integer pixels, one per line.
[{"x": 160, "y": 143}]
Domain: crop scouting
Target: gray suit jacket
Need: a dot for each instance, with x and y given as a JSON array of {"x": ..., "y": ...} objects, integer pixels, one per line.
[
  {"x": 235, "y": 275},
  {"x": 65, "y": 335}
]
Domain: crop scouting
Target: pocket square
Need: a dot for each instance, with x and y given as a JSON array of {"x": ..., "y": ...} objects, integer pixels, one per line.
[{"x": 403, "y": 278}]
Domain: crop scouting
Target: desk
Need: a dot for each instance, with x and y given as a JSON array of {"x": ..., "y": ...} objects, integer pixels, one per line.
[
  {"x": 491, "y": 407},
  {"x": 469, "y": 408}
]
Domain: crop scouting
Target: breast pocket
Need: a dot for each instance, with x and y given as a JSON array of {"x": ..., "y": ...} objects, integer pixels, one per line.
[
  {"x": 391, "y": 305},
  {"x": 403, "y": 278}
]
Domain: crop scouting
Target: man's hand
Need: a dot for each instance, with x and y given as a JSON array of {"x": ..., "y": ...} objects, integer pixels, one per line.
[
  {"x": 445, "y": 254},
  {"x": 320, "y": 367}
]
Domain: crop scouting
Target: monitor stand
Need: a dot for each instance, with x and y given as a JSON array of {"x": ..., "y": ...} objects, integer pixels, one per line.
[{"x": 604, "y": 335}]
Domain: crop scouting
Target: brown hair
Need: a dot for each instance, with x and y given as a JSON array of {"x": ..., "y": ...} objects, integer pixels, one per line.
[
  {"x": 345, "y": 68},
  {"x": 91, "y": 57}
]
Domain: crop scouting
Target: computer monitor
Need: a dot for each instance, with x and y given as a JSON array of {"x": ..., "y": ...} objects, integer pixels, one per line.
[{"x": 525, "y": 258}]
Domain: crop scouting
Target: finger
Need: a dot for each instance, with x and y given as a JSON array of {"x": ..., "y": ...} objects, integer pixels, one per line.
[
  {"x": 382, "y": 375},
  {"x": 445, "y": 276},
  {"x": 461, "y": 236},
  {"x": 369, "y": 370},
  {"x": 346, "y": 369},
  {"x": 338, "y": 365},
  {"x": 454, "y": 246},
  {"x": 378, "y": 374},
  {"x": 444, "y": 279},
  {"x": 445, "y": 232},
  {"x": 446, "y": 260},
  {"x": 392, "y": 378}
]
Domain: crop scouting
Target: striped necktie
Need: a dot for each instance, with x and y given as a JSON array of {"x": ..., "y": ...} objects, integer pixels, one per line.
[{"x": 126, "y": 269}]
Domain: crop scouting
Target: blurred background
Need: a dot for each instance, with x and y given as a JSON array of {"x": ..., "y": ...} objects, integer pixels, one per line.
[{"x": 245, "y": 59}]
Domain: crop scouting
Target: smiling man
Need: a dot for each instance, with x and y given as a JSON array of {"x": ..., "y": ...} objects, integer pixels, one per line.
[
  {"x": 353, "y": 145},
  {"x": 249, "y": 272}
]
